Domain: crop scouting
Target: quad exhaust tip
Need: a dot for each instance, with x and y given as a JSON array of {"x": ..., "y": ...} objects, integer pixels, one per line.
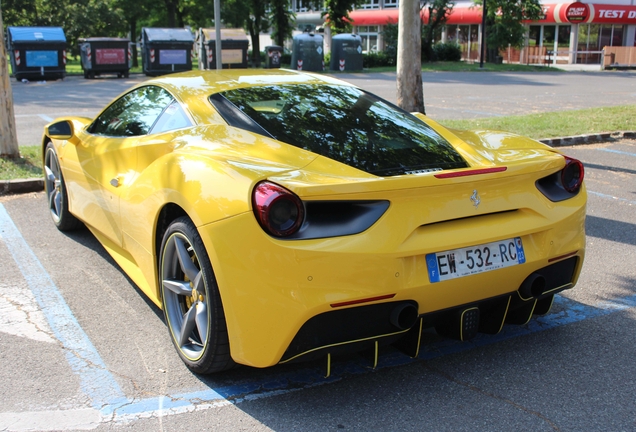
[
  {"x": 404, "y": 316},
  {"x": 533, "y": 286}
]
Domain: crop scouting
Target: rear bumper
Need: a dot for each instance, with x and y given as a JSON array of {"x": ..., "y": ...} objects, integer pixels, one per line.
[{"x": 272, "y": 290}]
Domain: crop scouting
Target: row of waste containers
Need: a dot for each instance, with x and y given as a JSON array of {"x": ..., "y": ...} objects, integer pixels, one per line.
[{"x": 40, "y": 52}]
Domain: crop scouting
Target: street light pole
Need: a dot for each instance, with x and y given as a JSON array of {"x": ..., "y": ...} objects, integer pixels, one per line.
[
  {"x": 482, "y": 54},
  {"x": 217, "y": 30}
]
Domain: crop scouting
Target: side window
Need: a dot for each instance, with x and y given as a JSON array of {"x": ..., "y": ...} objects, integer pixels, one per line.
[
  {"x": 172, "y": 118},
  {"x": 133, "y": 114}
]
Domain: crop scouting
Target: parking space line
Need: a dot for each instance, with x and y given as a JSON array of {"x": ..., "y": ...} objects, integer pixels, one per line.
[
  {"x": 45, "y": 118},
  {"x": 95, "y": 380},
  {"x": 283, "y": 383},
  {"x": 602, "y": 195},
  {"x": 616, "y": 151}
]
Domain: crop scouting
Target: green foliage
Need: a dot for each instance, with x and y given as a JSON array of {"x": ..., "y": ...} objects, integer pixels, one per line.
[
  {"x": 390, "y": 35},
  {"x": 78, "y": 18},
  {"x": 377, "y": 59},
  {"x": 250, "y": 15},
  {"x": 282, "y": 19},
  {"x": 438, "y": 12},
  {"x": 504, "y": 22},
  {"x": 449, "y": 51},
  {"x": 337, "y": 14}
]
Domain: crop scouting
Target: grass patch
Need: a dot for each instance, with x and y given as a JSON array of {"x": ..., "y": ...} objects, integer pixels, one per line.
[
  {"x": 28, "y": 165},
  {"x": 557, "y": 124}
]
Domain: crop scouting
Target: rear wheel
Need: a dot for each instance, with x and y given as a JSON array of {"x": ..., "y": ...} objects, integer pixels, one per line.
[
  {"x": 56, "y": 194},
  {"x": 191, "y": 301}
]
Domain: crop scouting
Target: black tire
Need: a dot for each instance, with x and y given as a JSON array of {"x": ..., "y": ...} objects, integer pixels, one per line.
[
  {"x": 191, "y": 300},
  {"x": 56, "y": 194},
  {"x": 126, "y": 74}
]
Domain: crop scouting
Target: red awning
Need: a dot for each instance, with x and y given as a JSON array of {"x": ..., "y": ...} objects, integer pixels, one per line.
[
  {"x": 554, "y": 13},
  {"x": 460, "y": 15}
]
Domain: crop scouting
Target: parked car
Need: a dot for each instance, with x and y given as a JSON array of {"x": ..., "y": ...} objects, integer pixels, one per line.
[{"x": 277, "y": 216}]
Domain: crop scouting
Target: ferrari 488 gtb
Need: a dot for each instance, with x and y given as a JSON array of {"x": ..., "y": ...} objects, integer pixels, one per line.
[{"x": 280, "y": 216}]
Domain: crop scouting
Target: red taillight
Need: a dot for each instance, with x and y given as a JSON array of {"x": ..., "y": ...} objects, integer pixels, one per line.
[
  {"x": 279, "y": 211},
  {"x": 572, "y": 174}
]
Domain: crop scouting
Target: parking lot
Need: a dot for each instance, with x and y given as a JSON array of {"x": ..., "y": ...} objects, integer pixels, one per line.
[{"x": 82, "y": 348}]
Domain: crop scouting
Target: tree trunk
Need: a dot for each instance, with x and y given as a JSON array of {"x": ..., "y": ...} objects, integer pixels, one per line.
[
  {"x": 410, "y": 95},
  {"x": 8, "y": 137},
  {"x": 171, "y": 8},
  {"x": 133, "y": 39}
]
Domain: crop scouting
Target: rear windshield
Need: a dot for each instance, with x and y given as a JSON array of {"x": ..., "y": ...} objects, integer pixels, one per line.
[{"x": 342, "y": 123}]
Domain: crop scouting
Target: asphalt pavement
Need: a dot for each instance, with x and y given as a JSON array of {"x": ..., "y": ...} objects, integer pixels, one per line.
[{"x": 447, "y": 95}]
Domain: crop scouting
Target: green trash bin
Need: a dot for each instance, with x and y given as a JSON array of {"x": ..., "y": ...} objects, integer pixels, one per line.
[
  {"x": 307, "y": 52},
  {"x": 346, "y": 52}
]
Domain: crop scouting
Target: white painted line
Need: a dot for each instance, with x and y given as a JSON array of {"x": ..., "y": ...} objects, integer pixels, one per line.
[
  {"x": 77, "y": 419},
  {"x": 45, "y": 118}
]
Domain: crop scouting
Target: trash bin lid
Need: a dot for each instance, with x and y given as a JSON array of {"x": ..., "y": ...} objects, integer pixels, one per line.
[
  {"x": 226, "y": 34},
  {"x": 37, "y": 34},
  {"x": 168, "y": 34}
]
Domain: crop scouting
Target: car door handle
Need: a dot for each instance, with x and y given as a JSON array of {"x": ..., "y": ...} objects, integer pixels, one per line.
[{"x": 115, "y": 182}]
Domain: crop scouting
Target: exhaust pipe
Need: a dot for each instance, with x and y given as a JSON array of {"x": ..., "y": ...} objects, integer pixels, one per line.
[
  {"x": 533, "y": 286},
  {"x": 404, "y": 316}
]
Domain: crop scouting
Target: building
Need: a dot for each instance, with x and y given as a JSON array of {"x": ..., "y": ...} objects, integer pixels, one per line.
[{"x": 570, "y": 32}]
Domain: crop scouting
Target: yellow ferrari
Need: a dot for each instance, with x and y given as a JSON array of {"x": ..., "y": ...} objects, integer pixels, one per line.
[{"x": 277, "y": 216}]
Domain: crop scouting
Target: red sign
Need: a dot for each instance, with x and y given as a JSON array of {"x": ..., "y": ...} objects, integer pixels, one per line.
[
  {"x": 110, "y": 56},
  {"x": 577, "y": 12}
]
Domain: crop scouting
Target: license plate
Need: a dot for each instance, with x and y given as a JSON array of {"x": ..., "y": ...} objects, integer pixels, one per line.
[{"x": 474, "y": 259}]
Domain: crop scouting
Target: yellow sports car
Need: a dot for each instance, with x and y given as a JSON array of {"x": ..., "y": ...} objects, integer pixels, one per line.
[{"x": 277, "y": 216}]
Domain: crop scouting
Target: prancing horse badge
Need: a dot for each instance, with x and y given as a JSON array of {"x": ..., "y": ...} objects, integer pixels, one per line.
[{"x": 475, "y": 198}]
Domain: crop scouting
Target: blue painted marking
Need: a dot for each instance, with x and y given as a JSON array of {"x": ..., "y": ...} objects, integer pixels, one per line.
[
  {"x": 95, "y": 380},
  {"x": 616, "y": 151},
  {"x": 602, "y": 195},
  {"x": 107, "y": 396},
  {"x": 571, "y": 312}
]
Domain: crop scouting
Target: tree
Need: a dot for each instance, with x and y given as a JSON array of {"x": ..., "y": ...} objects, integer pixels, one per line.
[
  {"x": 504, "y": 22},
  {"x": 281, "y": 18},
  {"x": 133, "y": 12},
  {"x": 8, "y": 136},
  {"x": 410, "y": 95},
  {"x": 252, "y": 16},
  {"x": 337, "y": 13},
  {"x": 438, "y": 12}
]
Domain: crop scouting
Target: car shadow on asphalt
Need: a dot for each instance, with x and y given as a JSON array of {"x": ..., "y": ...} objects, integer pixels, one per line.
[{"x": 609, "y": 229}]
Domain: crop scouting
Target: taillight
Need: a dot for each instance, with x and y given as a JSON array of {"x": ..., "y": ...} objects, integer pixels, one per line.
[
  {"x": 279, "y": 211},
  {"x": 572, "y": 175},
  {"x": 563, "y": 184}
]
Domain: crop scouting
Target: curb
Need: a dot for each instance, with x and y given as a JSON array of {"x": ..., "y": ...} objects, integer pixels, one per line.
[
  {"x": 588, "y": 139},
  {"x": 37, "y": 184},
  {"x": 21, "y": 186}
]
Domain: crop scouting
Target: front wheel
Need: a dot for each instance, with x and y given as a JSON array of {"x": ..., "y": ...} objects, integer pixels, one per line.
[
  {"x": 191, "y": 301},
  {"x": 56, "y": 194}
]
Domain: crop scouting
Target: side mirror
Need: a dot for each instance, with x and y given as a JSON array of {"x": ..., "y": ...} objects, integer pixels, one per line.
[{"x": 62, "y": 130}]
